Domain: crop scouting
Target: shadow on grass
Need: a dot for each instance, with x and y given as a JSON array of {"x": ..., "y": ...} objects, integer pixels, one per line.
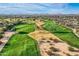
[
  {"x": 23, "y": 33},
  {"x": 61, "y": 32}
]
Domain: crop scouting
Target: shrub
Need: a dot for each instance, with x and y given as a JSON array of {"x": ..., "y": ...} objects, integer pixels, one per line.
[
  {"x": 52, "y": 54},
  {"x": 1, "y": 35},
  {"x": 71, "y": 49},
  {"x": 54, "y": 49}
]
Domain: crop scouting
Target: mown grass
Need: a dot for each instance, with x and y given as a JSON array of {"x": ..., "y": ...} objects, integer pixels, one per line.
[
  {"x": 27, "y": 28},
  {"x": 54, "y": 27},
  {"x": 21, "y": 45},
  {"x": 62, "y": 32}
]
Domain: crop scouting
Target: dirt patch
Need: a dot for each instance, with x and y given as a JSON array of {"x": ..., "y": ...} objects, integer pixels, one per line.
[
  {"x": 39, "y": 24},
  {"x": 51, "y": 45}
]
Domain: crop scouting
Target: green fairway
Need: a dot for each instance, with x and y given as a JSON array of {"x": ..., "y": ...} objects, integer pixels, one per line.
[
  {"x": 54, "y": 27},
  {"x": 27, "y": 28},
  {"x": 62, "y": 32},
  {"x": 21, "y": 45}
]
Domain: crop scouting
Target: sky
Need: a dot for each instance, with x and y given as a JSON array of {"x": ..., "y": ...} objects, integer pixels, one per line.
[{"x": 39, "y": 8}]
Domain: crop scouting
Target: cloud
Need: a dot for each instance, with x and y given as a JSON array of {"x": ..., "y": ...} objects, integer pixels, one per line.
[{"x": 36, "y": 8}]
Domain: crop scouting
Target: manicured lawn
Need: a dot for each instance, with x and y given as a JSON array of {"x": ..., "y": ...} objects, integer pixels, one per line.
[
  {"x": 54, "y": 27},
  {"x": 27, "y": 28},
  {"x": 21, "y": 45},
  {"x": 62, "y": 32}
]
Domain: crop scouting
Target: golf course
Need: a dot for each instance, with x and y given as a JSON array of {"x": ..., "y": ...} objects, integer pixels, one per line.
[{"x": 21, "y": 44}]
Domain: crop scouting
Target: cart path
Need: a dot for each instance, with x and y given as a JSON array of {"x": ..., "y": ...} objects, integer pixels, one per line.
[{"x": 5, "y": 39}]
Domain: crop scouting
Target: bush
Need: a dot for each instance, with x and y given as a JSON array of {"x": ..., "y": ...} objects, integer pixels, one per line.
[
  {"x": 1, "y": 30},
  {"x": 1, "y": 35},
  {"x": 71, "y": 49},
  {"x": 54, "y": 49},
  {"x": 52, "y": 54},
  {"x": 22, "y": 33}
]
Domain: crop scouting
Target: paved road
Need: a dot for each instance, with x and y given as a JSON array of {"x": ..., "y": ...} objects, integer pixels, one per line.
[{"x": 5, "y": 39}]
